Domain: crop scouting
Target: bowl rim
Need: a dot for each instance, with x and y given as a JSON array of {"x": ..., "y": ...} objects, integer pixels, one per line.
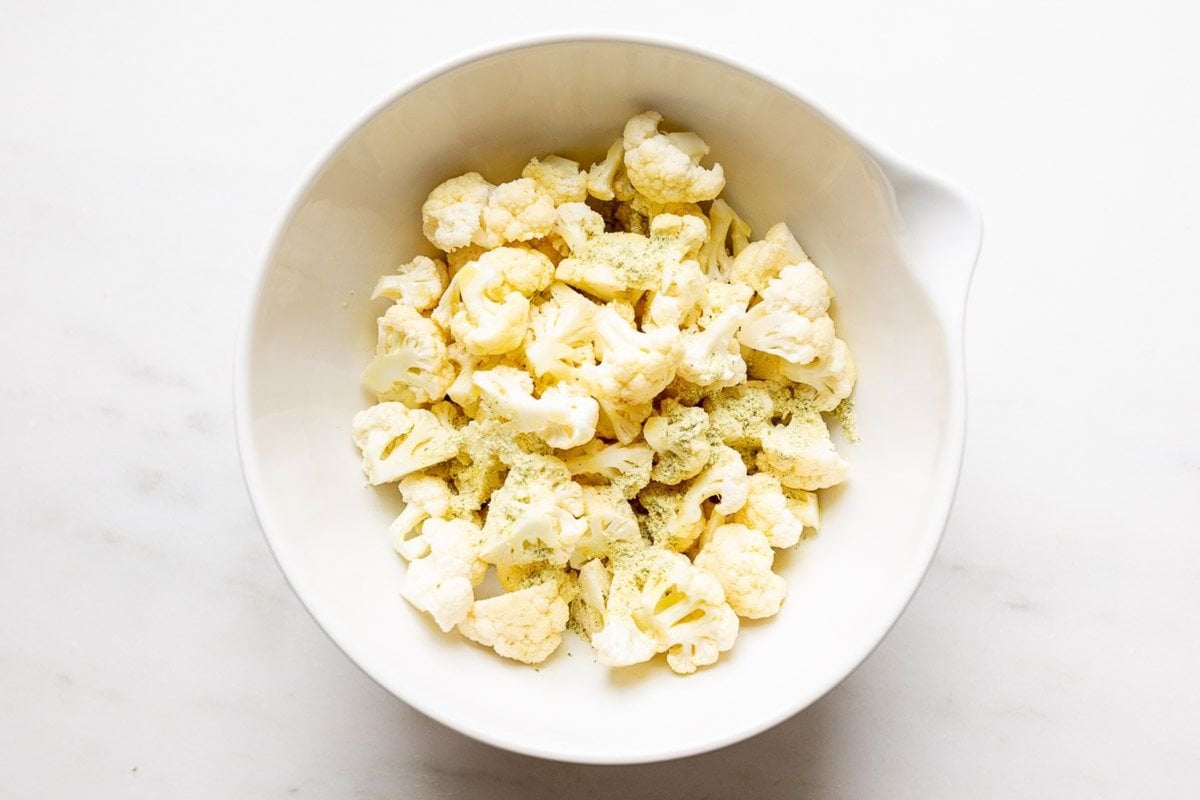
[{"x": 953, "y": 325}]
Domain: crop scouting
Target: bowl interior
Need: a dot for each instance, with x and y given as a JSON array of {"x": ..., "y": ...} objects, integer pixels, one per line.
[{"x": 312, "y": 330}]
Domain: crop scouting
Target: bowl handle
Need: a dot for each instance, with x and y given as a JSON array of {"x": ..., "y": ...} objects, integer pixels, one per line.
[{"x": 941, "y": 231}]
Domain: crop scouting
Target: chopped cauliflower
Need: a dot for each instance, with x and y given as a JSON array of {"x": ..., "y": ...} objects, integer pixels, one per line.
[
  {"x": 626, "y": 468},
  {"x": 516, "y": 211},
  {"x": 792, "y": 321},
  {"x": 665, "y": 167},
  {"x": 712, "y": 356},
  {"x": 577, "y": 226},
  {"x": 602, "y": 175},
  {"x": 611, "y": 396},
  {"x": 425, "y": 497},
  {"x": 619, "y": 264},
  {"x": 396, "y": 440},
  {"x": 620, "y": 422},
  {"x": 419, "y": 283},
  {"x": 559, "y": 342},
  {"x": 725, "y": 477},
  {"x": 486, "y": 306},
  {"x": 612, "y": 526},
  {"x": 558, "y": 178},
  {"x": 741, "y": 559},
  {"x": 442, "y": 576},
  {"x": 412, "y": 362},
  {"x": 562, "y": 417},
  {"x": 738, "y": 414},
  {"x": 659, "y": 602},
  {"x": 536, "y": 515},
  {"x": 671, "y": 520},
  {"x": 634, "y": 366},
  {"x": 832, "y": 376},
  {"x": 801, "y": 453},
  {"x": 588, "y": 609},
  {"x": 525, "y": 625},
  {"x": 761, "y": 262},
  {"x": 725, "y": 227},
  {"x": 781, "y": 514},
  {"x": 452, "y": 217},
  {"x": 679, "y": 438},
  {"x": 675, "y": 298}
]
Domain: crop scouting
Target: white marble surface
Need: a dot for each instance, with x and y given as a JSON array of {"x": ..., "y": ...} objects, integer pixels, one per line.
[{"x": 150, "y": 646}]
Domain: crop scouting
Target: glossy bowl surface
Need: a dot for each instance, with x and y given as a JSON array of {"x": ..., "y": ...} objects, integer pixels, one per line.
[{"x": 898, "y": 247}]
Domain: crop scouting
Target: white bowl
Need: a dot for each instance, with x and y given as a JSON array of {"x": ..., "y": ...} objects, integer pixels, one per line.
[{"x": 897, "y": 245}]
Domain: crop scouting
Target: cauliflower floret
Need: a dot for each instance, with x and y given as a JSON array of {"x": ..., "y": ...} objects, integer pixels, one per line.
[
  {"x": 612, "y": 526},
  {"x": 486, "y": 306},
  {"x": 425, "y": 497},
  {"x": 577, "y": 225},
  {"x": 712, "y": 356},
  {"x": 761, "y": 262},
  {"x": 741, "y": 559},
  {"x": 623, "y": 423},
  {"x": 558, "y": 178},
  {"x": 626, "y": 468},
  {"x": 725, "y": 226},
  {"x": 617, "y": 265},
  {"x": 536, "y": 515},
  {"x": 602, "y": 175},
  {"x": 516, "y": 211},
  {"x": 588, "y": 609},
  {"x": 479, "y": 470},
  {"x": 671, "y": 519},
  {"x": 562, "y": 417},
  {"x": 801, "y": 453},
  {"x": 411, "y": 364},
  {"x": 634, "y": 366},
  {"x": 679, "y": 291},
  {"x": 792, "y": 321},
  {"x": 452, "y": 216},
  {"x": 658, "y": 601},
  {"x": 780, "y": 514},
  {"x": 559, "y": 343},
  {"x": 665, "y": 167},
  {"x": 831, "y": 376},
  {"x": 739, "y": 414},
  {"x": 396, "y": 440},
  {"x": 444, "y": 570},
  {"x": 724, "y": 477},
  {"x": 419, "y": 283},
  {"x": 525, "y": 625},
  {"x": 678, "y": 438}
]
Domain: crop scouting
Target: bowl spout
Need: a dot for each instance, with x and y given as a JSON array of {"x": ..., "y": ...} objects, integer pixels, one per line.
[{"x": 941, "y": 233}]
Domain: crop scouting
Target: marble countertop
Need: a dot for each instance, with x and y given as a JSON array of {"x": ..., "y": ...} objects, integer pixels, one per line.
[{"x": 151, "y": 647}]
